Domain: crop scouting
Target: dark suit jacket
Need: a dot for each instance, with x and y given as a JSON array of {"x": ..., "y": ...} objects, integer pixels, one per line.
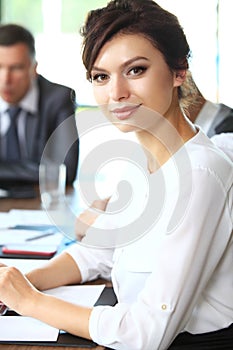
[
  {"x": 56, "y": 104},
  {"x": 223, "y": 121}
]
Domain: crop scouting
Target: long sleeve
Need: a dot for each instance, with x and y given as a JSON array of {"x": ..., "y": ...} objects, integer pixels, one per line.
[
  {"x": 92, "y": 263},
  {"x": 187, "y": 284},
  {"x": 171, "y": 281},
  {"x": 178, "y": 275}
]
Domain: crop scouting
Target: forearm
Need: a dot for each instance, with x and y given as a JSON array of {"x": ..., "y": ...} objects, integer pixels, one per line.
[
  {"x": 61, "y": 314},
  {"x": 19, "y": 295},
  {"x": 61, "y": 270}
]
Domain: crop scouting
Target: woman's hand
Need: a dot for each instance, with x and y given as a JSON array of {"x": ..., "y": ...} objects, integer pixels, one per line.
[
  {"x": 19, "y": 295},
  {"x": 88, "y": 217},
  {"x": 16, "y": 291}
]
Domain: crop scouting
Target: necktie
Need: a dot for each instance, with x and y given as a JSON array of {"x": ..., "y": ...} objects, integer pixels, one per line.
[{"x": 13, "y": 152}]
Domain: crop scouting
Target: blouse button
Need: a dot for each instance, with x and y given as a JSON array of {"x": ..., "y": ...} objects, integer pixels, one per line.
[{"x": 164, "y": 307}]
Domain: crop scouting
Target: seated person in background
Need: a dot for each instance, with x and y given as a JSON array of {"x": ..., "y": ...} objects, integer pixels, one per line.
[
  {"x": 215, "y": 119},
  {"x": 43, "y": 106}
]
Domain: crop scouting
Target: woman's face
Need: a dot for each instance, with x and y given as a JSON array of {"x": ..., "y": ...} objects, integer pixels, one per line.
[{"x": 129, "y": 74}]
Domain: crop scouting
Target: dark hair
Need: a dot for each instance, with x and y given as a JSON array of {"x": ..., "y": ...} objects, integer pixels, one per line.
[
  {"x": 135, "y": 17},
  {"x": 11, "y": 34}
]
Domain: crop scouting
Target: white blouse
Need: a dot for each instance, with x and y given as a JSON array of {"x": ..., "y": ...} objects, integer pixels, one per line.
[{"x": 177, "y": 275}]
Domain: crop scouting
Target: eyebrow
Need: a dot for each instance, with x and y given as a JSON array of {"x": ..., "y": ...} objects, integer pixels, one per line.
[{"x": 125, "y": 64}]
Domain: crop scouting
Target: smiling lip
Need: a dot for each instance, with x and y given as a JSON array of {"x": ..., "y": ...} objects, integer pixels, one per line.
[{"x": 124, "y": 112}]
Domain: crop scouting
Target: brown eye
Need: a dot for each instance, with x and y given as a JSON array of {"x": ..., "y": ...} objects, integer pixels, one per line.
[
  {"x": 99, "y": 78},
  {"x": 135, "y": 71}
]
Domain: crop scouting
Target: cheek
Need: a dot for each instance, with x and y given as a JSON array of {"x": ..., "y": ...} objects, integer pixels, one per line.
[
  {"x": 100, "y": 95},
  {"x": 23, "y": 84},
  {"x": 157, "y": 95},
  {"x": 21, "y": 77}
]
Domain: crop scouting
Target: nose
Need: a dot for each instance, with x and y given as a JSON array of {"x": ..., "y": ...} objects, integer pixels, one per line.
[{"x": 119, "y": 88}]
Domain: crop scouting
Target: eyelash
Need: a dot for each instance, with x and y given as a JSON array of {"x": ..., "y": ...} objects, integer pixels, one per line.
[
  {"x": 95, "y": 77},
  {"x": 140, "y": 70}
]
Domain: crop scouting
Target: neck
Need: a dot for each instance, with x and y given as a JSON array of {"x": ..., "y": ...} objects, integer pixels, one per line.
[{"x": 166, "y": 136}]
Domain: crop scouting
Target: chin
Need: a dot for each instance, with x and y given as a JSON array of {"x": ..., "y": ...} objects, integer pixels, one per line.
[
  {"x": 124, "y": 127},
  {"x": 8, "y": 98}
]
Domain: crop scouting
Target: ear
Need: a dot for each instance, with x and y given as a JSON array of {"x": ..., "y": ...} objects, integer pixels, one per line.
[
  {"x": 179, "y": 77},
  {"x": 34, "y": 69}
]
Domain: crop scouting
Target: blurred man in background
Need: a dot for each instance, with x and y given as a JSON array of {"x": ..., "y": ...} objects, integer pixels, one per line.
[{"x": 31, "y": 108}]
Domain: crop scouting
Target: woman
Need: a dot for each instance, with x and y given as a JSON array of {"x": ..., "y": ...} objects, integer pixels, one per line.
[{"x": 174, "y": 280}]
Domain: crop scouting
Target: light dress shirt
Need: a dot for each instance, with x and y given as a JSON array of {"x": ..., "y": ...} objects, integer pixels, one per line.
[
  {"x": 175, "y": 273},
  {"x": 205, "y": 118},
  {"x": 29, "y": 107},
  {"x": 225, "y": 142},
  {"x": 207, "y": 114}
]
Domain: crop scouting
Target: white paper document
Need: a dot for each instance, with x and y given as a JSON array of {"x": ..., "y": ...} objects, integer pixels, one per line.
[
  {"x": 24, "y": 217},
  {"x": 14, "y": 236},
  {"x": 24, "y": 265},
  {"x": 19, "y": 328},
  {"x": 29, "y": 217},
  {"x": 81, "y": 295},
  {"x": 5, "y": 220}
]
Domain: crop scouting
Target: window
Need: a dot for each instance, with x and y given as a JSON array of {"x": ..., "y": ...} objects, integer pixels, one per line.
[{"x": 56, "y": 23}]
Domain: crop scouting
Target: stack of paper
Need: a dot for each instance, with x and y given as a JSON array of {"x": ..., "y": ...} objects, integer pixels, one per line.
[
  {"x": 24, "y": 217},
  {"x": 14, "y": 236},
  {"x": 19, "y": 328}
]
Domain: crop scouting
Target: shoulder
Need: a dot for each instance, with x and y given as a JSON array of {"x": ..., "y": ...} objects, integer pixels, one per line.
[
  {"x": 215, "y": 118},
  {"x": 51, "y": 87},
  {"x": 50, "y": 91},
  {"x": 225, "y": 142},
  {"x": 205, "y": 156},
  {"x": 224, "y": 123},
  {"x": 224, "y": 109}
]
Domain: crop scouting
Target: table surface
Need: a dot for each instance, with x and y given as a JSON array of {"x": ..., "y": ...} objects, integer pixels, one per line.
[
  {"x": 35, "y": 347},
  {"x": 7, "y": 204},
  {"x": 35, "y": 204}
]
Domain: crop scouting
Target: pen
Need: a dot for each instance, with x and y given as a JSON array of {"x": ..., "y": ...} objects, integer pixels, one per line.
[
  {"x": 43, "y": 228},
  {"x": 70, "y": 242},
  {"x": 34, "y": 238},
  {"x": 3, "y": 309}
]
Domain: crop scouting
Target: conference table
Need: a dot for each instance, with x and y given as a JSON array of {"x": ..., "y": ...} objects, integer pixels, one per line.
[
  {"x": 7, "y": 204},
  {"x": 35, "y": 347}
]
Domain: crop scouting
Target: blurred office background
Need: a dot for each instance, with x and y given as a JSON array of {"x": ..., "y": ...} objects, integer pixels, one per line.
[{"x": 55, "y": 25}]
